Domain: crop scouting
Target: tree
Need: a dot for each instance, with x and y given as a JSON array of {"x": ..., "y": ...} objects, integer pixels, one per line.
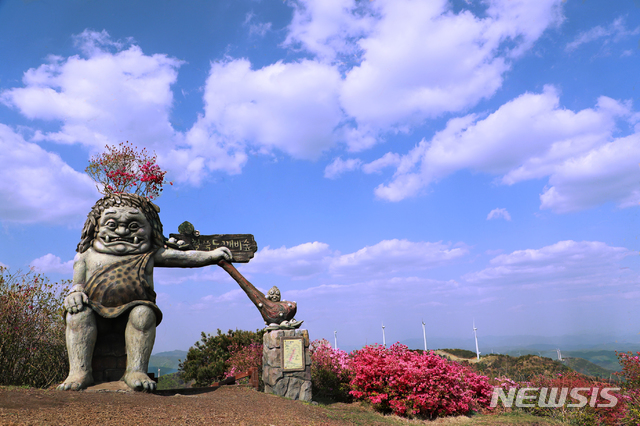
[
  {"x": 207, "y": 360},
  {"x": 123, "y": 169},
  {"x": 32, "y": 330}
]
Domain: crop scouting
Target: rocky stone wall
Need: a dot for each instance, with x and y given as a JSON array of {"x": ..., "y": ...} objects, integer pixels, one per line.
[
  {"x": 109, "y": 361},
  {"x": 290, "y": 384}
]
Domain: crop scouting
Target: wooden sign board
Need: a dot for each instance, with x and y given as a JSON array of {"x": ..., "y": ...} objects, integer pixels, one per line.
[
  {"x": 242, "y": 246},
  {"x": 293, "y": 358}
]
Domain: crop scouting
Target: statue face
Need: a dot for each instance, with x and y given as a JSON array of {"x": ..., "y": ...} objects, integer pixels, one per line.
[{"x": 123, "y": 230}]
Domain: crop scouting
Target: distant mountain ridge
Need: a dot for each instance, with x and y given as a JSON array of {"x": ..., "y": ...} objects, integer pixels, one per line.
[
  {"x": 588, "y": 347},
  {"x": 504, "y": 344},
  {"x": 524, "y": 367},
  {"x": 167, "y": 362}
]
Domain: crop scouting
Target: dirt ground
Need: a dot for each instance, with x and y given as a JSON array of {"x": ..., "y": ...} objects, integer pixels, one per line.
[{"x": 228, "y": 405}]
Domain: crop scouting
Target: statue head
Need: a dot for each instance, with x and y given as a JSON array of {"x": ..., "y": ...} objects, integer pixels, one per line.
[
  {"x": 122, "y": 224},
  {"x": 274, "y": 294}
]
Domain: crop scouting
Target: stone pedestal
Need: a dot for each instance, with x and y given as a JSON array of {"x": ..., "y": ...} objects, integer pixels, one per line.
[{"x": 278, "y": 381}]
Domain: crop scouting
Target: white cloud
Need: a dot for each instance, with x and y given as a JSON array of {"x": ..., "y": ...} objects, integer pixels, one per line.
[
  {"x": 290, "y": 107},
  {"x": 422, "y": 60},
  {"x": 329, "y": 28},
  {"x": 388, "y": 160},
  {"x": 52, "y": 263},
  {"x": 258, "y": 28},
  {"x": 118, "y": 93},
  {"x": 389, "y": 256},
  {"x": 103, "y": 98},
  {"x": 498, "y": 214},
  {"x": 93, "y": 43},
  {"x": 530, "y": 137},
  {"x": 340, "y": 166},
  {"x": 616, "y": 31},
  {"x": 228, "y": 297},
  {"x": 565, "y": 263},
  {"x": 607, "y": 173},
  {"x": 300, "y": 261},
  {"x": 38, "y": 186},
  {"x": 386, "y": 257},
  {"x": 173, "y": 276},
  {"x": 523, "y": 21},
  {"x": 390, "y": 291},
  {"x": 409, "y": 60}
]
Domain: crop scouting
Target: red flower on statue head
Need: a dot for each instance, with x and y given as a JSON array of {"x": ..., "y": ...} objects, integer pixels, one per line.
[{"x": 123, "y": 169}]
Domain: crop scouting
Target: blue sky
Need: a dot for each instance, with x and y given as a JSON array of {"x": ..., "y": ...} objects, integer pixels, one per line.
[{"x": 396, "y": 160}]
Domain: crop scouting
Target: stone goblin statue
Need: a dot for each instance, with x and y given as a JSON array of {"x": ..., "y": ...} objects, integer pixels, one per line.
[{"x": 121, "y": 243}]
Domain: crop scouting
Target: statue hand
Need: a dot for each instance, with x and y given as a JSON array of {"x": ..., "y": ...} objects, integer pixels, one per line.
[
  {"x": 75, "y": 302},
  {"x": 221, "y": 253}
]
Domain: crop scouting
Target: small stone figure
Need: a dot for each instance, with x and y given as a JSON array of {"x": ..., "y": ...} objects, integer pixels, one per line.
[
  {"x": 273, "y": 294},
  {"x": 121, "y": 243}
]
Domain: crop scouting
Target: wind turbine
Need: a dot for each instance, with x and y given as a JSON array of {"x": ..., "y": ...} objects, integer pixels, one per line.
[
  {"x": 424, "y": 335},
  {"x": 335, "y": 339},
  {"x": 384, "y": 341},
  {"x": 476, "y": 336}
]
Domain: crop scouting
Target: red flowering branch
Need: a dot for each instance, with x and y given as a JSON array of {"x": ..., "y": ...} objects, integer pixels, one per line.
[{"x": 123, "y": 169}]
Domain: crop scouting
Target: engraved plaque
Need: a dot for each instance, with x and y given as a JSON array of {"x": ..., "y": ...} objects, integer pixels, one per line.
[
  {"x": 293, "y": 354},
  {"x": 242, "y": 246}
]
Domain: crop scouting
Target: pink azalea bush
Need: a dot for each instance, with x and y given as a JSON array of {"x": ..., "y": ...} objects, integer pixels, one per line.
[
  {"x": 407, "y": 383},
  {"x": 631, "y": 374},
  {"x": 587, "y": 415},
  {"x": 330, "y": 373},
  {"x": 243, "y": 358}
]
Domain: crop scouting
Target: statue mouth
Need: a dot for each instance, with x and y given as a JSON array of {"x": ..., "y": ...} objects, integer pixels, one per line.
[{"x": 113, "y": 240}]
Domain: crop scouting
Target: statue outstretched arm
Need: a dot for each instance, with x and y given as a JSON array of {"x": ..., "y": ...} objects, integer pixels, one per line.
[
  {"x": 171, "y": 258},
  {"x": 77, "y": 299}
]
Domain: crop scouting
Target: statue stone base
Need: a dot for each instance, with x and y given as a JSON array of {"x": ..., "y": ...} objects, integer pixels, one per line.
[
  {"x": 286, "y": 364},
  {"x": 109, "y": 361}
]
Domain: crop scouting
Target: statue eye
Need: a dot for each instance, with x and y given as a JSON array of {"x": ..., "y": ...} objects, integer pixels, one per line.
[
  {"x": 111, "y": 224},
  {"x": 134, "y": 226}
]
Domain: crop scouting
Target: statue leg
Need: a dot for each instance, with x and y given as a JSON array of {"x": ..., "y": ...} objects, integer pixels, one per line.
[
  {"x": 81, "y": 336},
  {"x": 140, "y": 335}
]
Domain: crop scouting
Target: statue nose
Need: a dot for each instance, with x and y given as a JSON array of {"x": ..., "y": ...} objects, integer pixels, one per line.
[{"x": 122, "y": 230}]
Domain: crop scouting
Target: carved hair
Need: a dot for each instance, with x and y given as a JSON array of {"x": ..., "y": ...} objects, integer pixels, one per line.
[{"x": 150, "y": 211}]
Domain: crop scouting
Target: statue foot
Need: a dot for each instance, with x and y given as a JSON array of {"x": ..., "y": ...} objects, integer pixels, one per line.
[
  {"x": 77, "y": 381},
  {"x": 139, "y": 381}
]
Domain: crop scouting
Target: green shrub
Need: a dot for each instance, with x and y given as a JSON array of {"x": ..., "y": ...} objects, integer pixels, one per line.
[
  {"x": 207, "y": 360},
  {"x": 32, "y": 330},
  {"x": 172, "y": 381},
  {"x": 460, "y": 353}
]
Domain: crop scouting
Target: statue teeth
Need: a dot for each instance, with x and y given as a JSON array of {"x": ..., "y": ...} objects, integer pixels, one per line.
[
  {"x": 107, "y": 239},
  {"x": 135, "y": 240}
]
